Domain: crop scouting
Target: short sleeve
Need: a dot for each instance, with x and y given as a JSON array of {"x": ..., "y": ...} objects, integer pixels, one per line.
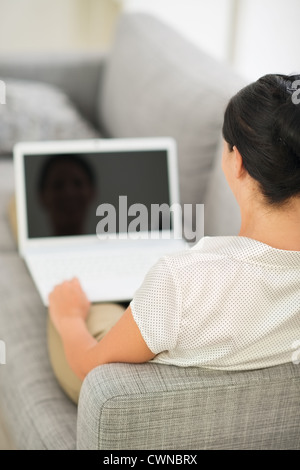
[{"x": 156, "y": 308}]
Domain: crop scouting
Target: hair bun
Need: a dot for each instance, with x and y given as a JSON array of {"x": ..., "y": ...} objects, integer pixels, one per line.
[
  {"x": 287, "y": 126},
  {"x": 263, "y": 121}
]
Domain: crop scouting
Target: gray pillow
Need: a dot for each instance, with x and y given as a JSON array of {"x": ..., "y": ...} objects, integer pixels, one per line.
[
  {"x": 36, "y": 111},
  {"x": 159, "y": 84}
]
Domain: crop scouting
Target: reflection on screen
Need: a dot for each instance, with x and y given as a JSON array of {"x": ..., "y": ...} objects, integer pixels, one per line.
[{"x": 64, "y": 191}]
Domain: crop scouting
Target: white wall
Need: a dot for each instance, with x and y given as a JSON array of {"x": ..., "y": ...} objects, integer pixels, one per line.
[
  {"x": 255, "y": 36},
  {"x": 205, "y": 22},
  {"x": 268, "y": 37},
  {"x": 55, "y": 25}
]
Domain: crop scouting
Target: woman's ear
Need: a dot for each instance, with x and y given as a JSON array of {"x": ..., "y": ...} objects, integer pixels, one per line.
[{"x": 239, "y": 169}]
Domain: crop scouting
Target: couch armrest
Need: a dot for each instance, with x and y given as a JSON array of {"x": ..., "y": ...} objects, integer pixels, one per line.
[
  {"x": 77, "y": 74},
  {"x": 153, "y": 406}
]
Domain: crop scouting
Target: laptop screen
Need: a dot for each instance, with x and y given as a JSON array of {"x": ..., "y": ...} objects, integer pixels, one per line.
[{"x": 64, "y": 192}]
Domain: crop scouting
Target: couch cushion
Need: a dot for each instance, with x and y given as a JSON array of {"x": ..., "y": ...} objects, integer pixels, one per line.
[
  {"x": 36, "y": 411},
  {"x": 77, "y": 73},
  {"x": 36, "y": 111},
  {"x": 158, "y": 84}
]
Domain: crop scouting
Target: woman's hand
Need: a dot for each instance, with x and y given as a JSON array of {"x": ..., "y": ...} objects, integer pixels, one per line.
[
  {"x": 68, "y": 301},
  {"x": 68, "y": 308}
]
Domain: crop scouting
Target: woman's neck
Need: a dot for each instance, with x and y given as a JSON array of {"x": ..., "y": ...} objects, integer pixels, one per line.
[{"x": 276, "y": 227}]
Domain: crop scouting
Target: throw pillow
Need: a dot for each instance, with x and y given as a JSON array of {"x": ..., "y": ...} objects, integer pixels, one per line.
[{"x": 36, "y": 111}]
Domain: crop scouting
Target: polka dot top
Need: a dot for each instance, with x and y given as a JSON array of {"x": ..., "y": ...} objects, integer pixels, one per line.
[{"x": 229, "y": 303}]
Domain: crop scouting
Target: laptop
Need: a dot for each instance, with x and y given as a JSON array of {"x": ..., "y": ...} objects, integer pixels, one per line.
[{"x": 97, "y": 210}]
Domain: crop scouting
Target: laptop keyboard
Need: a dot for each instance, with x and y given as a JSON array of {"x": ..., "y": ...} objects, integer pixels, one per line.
[{"x": 57, "y": 268}]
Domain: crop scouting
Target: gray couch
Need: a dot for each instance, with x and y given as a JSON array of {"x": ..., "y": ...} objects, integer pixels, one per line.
[{"x": 152, "y": 82}]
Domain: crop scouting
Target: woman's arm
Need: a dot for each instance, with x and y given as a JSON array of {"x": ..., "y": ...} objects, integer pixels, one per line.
[{"x": 68, "y": 308}]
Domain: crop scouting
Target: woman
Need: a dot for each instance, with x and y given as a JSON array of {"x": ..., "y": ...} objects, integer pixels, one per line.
[{"x": 229, "y": 303}]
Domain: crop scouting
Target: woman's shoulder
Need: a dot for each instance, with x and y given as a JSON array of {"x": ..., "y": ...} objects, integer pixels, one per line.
[
  {"x": 236, "y": 248},
  {"x": 207, "y": 249},
  {"x": 206, "y": 246}
]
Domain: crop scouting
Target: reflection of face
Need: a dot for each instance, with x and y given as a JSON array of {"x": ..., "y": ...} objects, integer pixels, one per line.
[{"x": 66, "y": 196}]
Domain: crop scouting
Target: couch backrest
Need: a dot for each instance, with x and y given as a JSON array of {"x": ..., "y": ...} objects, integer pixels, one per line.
[
  {"x": 157, "y": 83},
  {"x": 151, "y": 406}
]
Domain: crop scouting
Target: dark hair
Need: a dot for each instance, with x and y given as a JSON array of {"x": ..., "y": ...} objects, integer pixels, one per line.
[
  {"x": 263, "y": 122},
  {"x": 51, "y": 162}
]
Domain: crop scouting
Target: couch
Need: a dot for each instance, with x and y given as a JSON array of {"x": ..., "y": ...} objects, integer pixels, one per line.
[{"x": 152, "y": 82}]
